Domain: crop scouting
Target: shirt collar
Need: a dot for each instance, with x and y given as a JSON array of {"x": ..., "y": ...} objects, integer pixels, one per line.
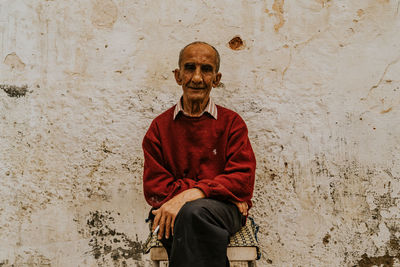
[{"x": 211, "y": 108}]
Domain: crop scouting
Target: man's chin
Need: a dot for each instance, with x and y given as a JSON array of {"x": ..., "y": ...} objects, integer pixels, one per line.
[{"x": 196, "y": 95}]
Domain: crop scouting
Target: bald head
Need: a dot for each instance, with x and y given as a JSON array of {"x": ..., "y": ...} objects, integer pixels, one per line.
[{"x": 217, "y": 57}]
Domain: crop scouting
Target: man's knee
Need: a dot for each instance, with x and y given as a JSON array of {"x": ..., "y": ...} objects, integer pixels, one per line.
[
  {"x": 193, "y": 211},
  {"x": 206, "y": 212}
]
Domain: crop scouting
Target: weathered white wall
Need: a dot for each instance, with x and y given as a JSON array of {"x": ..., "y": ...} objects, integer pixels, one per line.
[{"x": 317, "y": 82}]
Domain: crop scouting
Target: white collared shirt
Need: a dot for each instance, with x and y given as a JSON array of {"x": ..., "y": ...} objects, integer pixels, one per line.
[{"x": 211, "y": 108}]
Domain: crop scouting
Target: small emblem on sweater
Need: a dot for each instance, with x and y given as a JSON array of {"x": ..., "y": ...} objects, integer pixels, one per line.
[{"x": 215, "y": 151}]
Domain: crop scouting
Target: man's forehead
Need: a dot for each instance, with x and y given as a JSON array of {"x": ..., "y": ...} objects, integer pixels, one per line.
[{"x": 203, "y": 50}]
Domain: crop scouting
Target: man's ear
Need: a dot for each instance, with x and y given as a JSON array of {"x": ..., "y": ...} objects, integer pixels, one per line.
[
  {"x": 217, "y": 79},
  {"x": 177, "y": 77}
]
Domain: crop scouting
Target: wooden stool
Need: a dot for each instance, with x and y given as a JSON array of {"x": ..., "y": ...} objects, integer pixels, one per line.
[
  {"x": 242, "y": 249},
  {"x": 238, "y": 256}
]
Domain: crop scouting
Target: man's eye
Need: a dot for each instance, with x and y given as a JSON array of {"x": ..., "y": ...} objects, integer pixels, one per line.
[
  {"x": 189, "y": 67},
  {"x": 206, "y": 68}
]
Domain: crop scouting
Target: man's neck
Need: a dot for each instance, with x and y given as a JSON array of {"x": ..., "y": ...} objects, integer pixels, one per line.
[{"x": 194, "y": 108}]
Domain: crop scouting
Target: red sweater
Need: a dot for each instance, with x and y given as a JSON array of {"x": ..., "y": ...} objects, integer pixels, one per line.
[{"x": 212, "y": 155}]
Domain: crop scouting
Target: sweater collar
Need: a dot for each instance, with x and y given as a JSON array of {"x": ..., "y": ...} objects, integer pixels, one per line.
[{"x": 211, "y": 108}]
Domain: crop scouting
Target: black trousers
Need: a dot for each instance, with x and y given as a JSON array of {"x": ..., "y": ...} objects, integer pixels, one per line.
[{"x": 201, "y": 234}]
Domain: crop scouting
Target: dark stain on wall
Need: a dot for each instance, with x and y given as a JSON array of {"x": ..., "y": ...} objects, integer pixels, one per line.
[
  {"x": 236, "y": 43},
  {"x": 27, "y": 258},
  {"x": 13, "y": 90},
  {"x": 394, "y": 243},
  {"x": 326, "y": 238},
  {"x": 107, "y": 243},
  {"x": 385, "y": 260}
]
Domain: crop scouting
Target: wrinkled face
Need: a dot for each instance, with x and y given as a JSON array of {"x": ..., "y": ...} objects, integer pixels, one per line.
[{"x": 197, "y": 73}]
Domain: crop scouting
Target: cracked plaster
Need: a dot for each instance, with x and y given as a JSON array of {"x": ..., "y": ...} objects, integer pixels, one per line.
[{"x": 316, "y": 82}]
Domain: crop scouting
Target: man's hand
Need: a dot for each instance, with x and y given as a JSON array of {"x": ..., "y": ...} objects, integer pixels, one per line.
[
  {"x": 242, "y": 206},
  {"x": 165, "y": 215}
]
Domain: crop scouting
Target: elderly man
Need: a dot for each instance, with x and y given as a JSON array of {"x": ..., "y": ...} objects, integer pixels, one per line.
[{"x": 199, "y": 167}]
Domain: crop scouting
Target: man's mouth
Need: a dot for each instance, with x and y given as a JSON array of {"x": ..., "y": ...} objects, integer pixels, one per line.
[{"x": 196, "y": 88}]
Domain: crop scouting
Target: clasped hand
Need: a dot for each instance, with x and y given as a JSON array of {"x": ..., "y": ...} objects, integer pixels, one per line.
[{"x": 166, "y": 214}]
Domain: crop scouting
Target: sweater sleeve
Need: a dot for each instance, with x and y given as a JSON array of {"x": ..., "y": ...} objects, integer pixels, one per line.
[
  {"x": 158, "y": 183},
  {"x": 237, "y": 180}
]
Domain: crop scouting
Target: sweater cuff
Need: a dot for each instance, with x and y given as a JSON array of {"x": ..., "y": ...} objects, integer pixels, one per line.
[{"x": 205, "y": 188}]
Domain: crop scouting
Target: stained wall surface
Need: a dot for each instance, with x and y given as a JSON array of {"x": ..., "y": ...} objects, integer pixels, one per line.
[{"x": 317, "y": 82}]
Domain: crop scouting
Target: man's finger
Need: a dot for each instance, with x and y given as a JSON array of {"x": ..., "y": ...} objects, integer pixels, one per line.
[
  {"x": 156, "y": 219},
  {"x": 246, "y": 208},
  {"x": 162, "y": 227},
  {"x": 172, "y": 225},
  {"x": 240, "y": 206},
  {"x": 167, "y": 227},
  {"x": 243, "y": 207}
]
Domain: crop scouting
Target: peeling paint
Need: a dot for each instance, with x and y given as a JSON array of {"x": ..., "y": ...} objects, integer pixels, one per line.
[
  {"x": 14, "y": 61},
  {"x": 385, "y": 260},
  {"x": 360, "y": 12},
  {"x": 31, "y": 258},
  {"x": 277, "y": 6},
  {"x": 105, "y": 13},
  {"x": 386, "y": 110},
  {"x": 323, "y": 2},
  {"x": 326, "y": 239},
  {"x": 13, "y": 90},
  {"x": 236, "y": 43},
  {"x": 107, "y": 243}
]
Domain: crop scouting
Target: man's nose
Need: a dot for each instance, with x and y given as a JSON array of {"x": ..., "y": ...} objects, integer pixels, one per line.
[{"x": 197, "y": 78}]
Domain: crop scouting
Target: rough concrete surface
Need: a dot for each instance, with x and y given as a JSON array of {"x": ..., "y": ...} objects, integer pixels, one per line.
[{"x": 317, "y": 82}]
